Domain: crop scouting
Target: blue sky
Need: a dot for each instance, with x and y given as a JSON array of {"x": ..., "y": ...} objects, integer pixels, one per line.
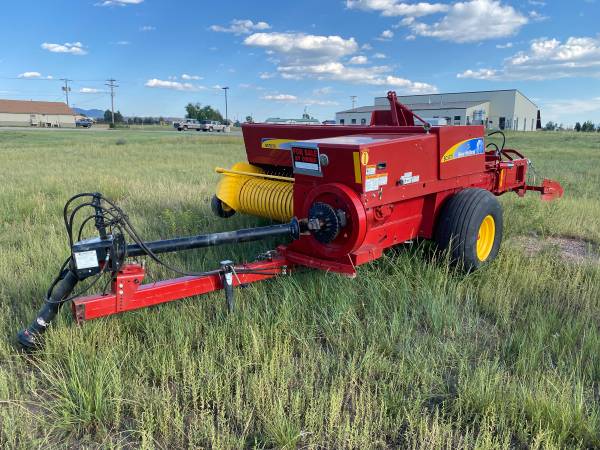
[{"x": 280, "y": 57}]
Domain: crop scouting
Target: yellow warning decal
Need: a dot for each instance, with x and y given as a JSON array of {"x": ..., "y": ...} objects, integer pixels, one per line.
[{"x": 357, "y": 172}]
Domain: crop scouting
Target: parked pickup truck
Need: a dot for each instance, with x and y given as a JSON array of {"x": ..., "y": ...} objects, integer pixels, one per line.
[
  {"x": 187, "y": 124},
  {"x": 84, "y": 123},
  {"x": 213, "y": 125}
]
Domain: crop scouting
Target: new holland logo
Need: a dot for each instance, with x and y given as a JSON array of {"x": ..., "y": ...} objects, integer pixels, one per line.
[{"x": 470, "y": 147}]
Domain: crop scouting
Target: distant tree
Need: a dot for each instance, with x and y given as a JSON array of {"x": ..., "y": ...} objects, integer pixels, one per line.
[
  {"x": 551, "y": 126},
  {"x": 588, "y": 126},
  {"x": 578, "y": 127},
  {"x": 199, "y": 112},
  {"x": 108, "y": 116}
]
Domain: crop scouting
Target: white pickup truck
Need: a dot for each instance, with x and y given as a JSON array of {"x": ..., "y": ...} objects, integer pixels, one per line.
[
  {"x": 213, "y": 125},
  {"x": 187, "y": 124}
]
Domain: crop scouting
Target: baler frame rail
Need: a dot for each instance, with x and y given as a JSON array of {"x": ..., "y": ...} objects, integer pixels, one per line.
[{"x": 128, "y": 293}]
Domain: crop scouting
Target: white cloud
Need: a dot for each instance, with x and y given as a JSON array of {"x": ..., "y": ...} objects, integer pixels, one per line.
[
  {"x": 147, "y": 28},
  {"x": 323, "y": 91},
  {"x": 300, "y": 56},
  {"x": 537, "y": 17},
  {"x": 473, "y": 21},
  {"x": 375, "y": 75},
  {"x": 360, "y": 59},
  {"x": 548, "y": 59},
  {"x": 238, "y": 27},
  {"x": 392, "y": 8},
  {"x": 119, "y": 2},
  {"x": 74, "y": 48},
  {"x": 507, "y": 45},
  {"x": 175, "y": 85},
  {"x": 386, "y": 35},
  {"x": 379, "y": 56},
  {"x": 480, "y": 74},
  {"x": 312, "y": 101},
  {"x": 570, "y": 110},
  {"x": 303, "y": 46},
  {"x": 30, "y": 75},
  {"x": 86, "y": 90},
  {"x": 266, "y": 75},
  {"x": 289, "y": 98},
  {"x": 281, "y": 97},
  {"x": 186, "y": 76},
  {"x": 123, "y": 43}
]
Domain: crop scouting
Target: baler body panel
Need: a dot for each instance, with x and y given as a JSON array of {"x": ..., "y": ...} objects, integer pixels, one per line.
[
  {"x": 462, "y": 150},
  {"x": 269, "y": 145},
  {"x": 389, "y": 180}
]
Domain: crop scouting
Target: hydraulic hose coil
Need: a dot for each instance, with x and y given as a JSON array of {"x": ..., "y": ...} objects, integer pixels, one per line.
[{"x": 249, "y": 192}]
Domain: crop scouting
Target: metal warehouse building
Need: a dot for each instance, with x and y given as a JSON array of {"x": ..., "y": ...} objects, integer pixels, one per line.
[
  {"x": 28, "y": 113},
  {"x": 507, "y": 109}
]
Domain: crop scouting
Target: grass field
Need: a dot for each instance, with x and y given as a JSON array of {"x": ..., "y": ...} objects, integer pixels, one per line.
[{"x": 410, "y": 354}]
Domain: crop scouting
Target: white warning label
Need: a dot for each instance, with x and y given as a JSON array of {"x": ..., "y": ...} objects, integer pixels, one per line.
[
  {"x": 86, "y": 260},
  {"x": 375, "y": 182}
]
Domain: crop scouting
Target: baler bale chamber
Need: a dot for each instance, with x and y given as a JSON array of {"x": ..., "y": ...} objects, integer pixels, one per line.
[
  {"x": 393, "y": 181},
  {"x": 343, "y": 194}
]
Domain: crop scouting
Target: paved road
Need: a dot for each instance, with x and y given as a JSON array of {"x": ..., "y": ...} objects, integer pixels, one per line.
[{"x": 104, "y": 129}]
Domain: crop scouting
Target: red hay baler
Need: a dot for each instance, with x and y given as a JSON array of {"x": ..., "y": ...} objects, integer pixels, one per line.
[{"x": 343, "y": 194}]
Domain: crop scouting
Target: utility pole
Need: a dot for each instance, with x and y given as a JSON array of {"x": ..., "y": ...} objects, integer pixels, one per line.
[
  {"x": 353, "y": 98},
  {"x": 226, "y": 88},
  {"x": 66, "y": 89},
  {"x": 111, "y": 84}
]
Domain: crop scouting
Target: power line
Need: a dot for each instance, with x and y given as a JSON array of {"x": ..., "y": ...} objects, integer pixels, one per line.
[{"x": 111, "y": 84}]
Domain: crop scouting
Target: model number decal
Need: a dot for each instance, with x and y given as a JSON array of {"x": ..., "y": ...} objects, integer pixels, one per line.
[
  {"x": 276, "y": 144},
  {"x": 470, "y": 147}
]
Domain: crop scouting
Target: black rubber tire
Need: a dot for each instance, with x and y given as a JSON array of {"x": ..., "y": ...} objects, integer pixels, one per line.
[
  {"x": 217, "y": 207},
  {"x": 458, "y": 226}
]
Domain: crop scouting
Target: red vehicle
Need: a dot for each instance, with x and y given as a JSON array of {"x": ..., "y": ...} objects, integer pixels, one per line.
[{"x": 343, "y": 193}]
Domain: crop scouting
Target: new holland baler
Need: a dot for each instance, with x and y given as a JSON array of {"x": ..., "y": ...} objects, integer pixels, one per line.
[{"x": 343, "y": 194}]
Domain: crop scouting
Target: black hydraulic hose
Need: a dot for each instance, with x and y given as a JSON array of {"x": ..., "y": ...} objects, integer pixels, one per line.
[{"x": 30, "y": 336}]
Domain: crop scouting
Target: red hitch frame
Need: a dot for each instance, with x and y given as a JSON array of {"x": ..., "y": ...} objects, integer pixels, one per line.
[{"x": 128, "y": 293}]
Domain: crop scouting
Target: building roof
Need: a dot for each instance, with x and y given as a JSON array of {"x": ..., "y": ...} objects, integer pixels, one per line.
[
  {"x": 280, "y": 120},
  {"x": 34, "y": 107},
  {"x": 445, "y": 105},
  {"x": 417, "y": 106},
  {"x": 466, "y": 92},
  {"x": 366, "y": 109}
]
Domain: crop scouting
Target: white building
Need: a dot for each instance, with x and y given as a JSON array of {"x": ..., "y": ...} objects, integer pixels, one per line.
[
  {"x": 26, "y": 113},
  {"x": 302, "y": 121},
  {"x": 508, "y": 109}
]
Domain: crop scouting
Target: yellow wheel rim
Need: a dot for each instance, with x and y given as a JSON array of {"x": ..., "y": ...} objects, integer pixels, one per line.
[{"x": 485, "y": 237}]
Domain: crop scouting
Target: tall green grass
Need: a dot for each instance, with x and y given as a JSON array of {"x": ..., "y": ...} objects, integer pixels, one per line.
[{"x": 410, "y": 354}]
